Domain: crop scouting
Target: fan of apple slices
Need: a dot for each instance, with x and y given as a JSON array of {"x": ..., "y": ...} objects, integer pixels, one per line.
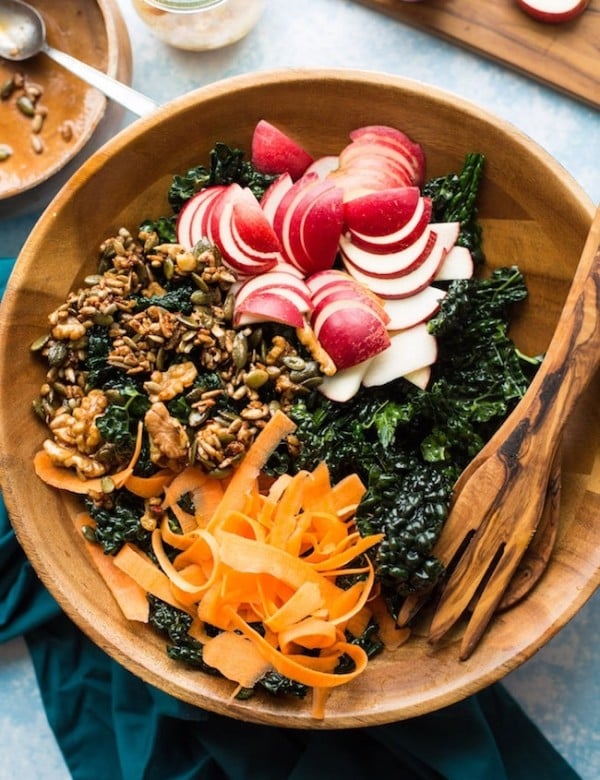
[{"x": 341, "y": 245}]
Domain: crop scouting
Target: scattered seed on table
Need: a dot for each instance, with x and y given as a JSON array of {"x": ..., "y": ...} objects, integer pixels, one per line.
[{"x": 37, "y": 144}]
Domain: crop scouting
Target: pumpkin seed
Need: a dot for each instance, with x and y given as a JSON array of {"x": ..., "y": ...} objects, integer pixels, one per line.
[
  {"x": 57, "y": 354},
  {"x": 310, "y": 370},
  {"x": 294, "y": 363},
  {"x": 239, "y": 350},
  {"x": 25, "y": 106},
  {"x": 256, "y": 378},
  {"x": 5, "y": 152},
  {"x": 7, "y": 88},
  {"x": 89, "y": 533}
]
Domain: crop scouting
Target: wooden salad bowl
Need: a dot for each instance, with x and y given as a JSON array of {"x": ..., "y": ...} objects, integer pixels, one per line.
[{"x": 533, "y": 214}]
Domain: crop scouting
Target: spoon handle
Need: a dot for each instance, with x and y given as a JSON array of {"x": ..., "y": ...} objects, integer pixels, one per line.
[{"x": 134, "y": 101}]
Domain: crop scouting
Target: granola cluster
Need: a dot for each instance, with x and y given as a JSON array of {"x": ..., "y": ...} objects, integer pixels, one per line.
[{"x": 152, "y": 331}]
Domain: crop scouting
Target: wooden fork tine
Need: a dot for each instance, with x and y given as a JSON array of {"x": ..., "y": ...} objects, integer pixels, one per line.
[
  {"x": 491, "y": 538},
  {"x": 488, "y": 600},
  {"x": 460, "y": 525}
]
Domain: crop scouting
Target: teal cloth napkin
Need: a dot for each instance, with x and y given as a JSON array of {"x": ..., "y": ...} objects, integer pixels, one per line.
[{"x": 110, "y": 724}]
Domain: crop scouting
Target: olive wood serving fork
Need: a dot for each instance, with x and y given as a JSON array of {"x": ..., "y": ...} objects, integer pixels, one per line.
[{"x": 500, "y": 497}]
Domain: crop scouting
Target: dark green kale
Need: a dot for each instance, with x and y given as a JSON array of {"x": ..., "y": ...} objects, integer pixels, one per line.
[
  {"x": 175, "y": 624},
  {"x": 409, "y": 445},
  {"x": 226, "y": 166},
  {"x": 454, "y": 199},
  {"x": 164, "y": 227},
  {"x": 176, "y": 298},
  {"x": 119, "y": 523},
  {"x": 99, "y": 345}
]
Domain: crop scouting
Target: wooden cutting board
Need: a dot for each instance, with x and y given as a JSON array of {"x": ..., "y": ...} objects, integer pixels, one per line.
[{"x": 564, "y": 56}]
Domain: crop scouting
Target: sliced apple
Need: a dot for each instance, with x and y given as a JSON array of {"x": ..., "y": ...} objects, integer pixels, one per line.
[
  {"x": 350, "y": 332},
  {"x": 309, "y": 223},
  {"x": 192, "y": 220},
  {"x": 344, "y": 384},
  {"x": 419, "y": 377},
  {"x": 274, "y": 280},
  {"x": 281, "y": 304},
  {"x": 457, "y": 264},
  {"x": 381, "y": 213},
  {"x": 273, "y": 151},
  {"x": 323, "y": 166},
  {"x": 398, "y": 239},
  {"x": 390, "y": 264},
  {"x": 274, "y": 194},
  {"x": 240, "y": 229},
  {"x": 415, "y": 280},
  {"x": 411, "y": 151},
  {"x": 405, "y": 312},
  {"x": 409, "y": 351},
  {"x": 553, "y": 11}
]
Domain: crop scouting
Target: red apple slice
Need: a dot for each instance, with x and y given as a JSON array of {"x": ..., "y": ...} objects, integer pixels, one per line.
[
  {"x": 381, "y": 157},
  {"x": 398, "y": 239},
  {"x": 457, "y": 264},
  {"x": 274, "y": 195},
  {"x": 321, "y": 279},
  {"x": 412, "y": 151},
  {"x": 392, "y": 264},
  {"x": 280, "y": 305},
  {"x": 409, "y": 350},
  {"x": 355, "y": 293},
  {"x": 323, "y": 166},
  {"x": 553, "y": 11},
  {"x": 405, "y": 312},
  {"x": 417, "y": 279},
  {"x": 273, "y": 151},
  {"x": 320, "y": 228},
  {"x": 191, "y": 225},
  {"x": 381, "y": 213},
  {"x": 273, "y": 281},
  {"x": 236, "y": 207},
  {"x": 350, "y": 332}
]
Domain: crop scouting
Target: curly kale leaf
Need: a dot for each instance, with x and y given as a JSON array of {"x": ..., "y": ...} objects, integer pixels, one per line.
[
  {"x": 226, "y": 166},
  {"x": 409, "y": 445},
  {"x": 177, "y": 298},
  {"x": 175, "y": 624},
  {"x": 99, "y": 345},
  {"x": 120, "y": 523},
  {"x": 164, "y": 227},
  {"x": 454, "y": 199}
]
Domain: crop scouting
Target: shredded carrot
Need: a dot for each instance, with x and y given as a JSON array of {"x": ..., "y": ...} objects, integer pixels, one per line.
[
  {"x": 236, "y": 657},
  {"x": 148, "y": 487},
  {"x": 65, "y": 479},
  {"x": 268, "y": 551}
]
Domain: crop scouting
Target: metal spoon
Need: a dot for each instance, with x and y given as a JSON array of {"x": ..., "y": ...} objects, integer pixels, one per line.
[{"x": 23, "y": 35}]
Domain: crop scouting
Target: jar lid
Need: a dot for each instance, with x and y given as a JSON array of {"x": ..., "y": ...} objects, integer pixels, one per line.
[{"x": 184, "y": 6}]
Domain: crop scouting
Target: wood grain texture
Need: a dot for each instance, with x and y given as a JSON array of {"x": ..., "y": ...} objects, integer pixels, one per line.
[
  {"x": 564, "y": 56},
  {"x": 531, "y": 210}
]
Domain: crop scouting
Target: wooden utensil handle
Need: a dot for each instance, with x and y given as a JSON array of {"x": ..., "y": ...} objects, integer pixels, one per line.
[{"x": 569, "y": 364}]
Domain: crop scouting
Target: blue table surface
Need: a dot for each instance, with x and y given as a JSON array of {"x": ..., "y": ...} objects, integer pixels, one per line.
[{"x": 560, "y": 686}]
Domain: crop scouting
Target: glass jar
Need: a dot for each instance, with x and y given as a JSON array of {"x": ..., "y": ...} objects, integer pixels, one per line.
[{"x": 198, "y": 25}]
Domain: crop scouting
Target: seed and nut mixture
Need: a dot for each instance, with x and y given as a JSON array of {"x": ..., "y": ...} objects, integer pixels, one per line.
[{"x": 150, "y": 337}]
